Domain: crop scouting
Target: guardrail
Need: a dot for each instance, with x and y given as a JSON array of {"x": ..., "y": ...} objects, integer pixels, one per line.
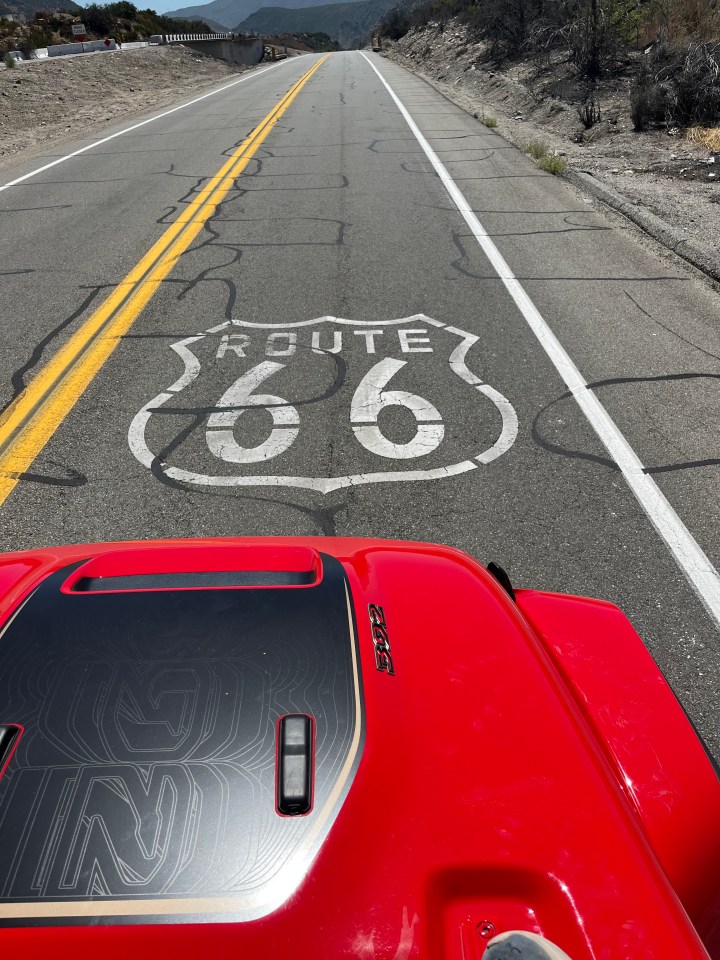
[
  {"x": 81, "y": 46},
  {"x": 180, "y": 37},
  {"x": 92, "y": 46}
]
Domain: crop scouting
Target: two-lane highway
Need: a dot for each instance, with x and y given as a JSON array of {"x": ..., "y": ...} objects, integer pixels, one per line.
[{"x": 322, "y": 299}]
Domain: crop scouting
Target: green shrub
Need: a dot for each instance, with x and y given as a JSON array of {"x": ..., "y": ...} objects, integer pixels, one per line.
[
  {"x": 536, "y": 149},
  {"x": 9, "y": 61},
  {"x": 552, "y": 164},
  {"x": 490, "y": 122},
  {"x": 33, "y": 36},
  {"x": 97, "y": 19},
  {"x": 123, "y": 9}
]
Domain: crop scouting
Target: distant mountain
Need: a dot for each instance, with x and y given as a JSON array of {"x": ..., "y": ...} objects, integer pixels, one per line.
[
  {"x": 230, "y": 12},
  {"x": 347, "y": 23},
  {"x": 213, "y": 24},
  {"x": 29, "y": 7}
]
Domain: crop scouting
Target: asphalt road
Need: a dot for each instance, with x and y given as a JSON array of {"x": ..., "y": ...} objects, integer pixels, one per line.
[{"x": 345, "y": 358}]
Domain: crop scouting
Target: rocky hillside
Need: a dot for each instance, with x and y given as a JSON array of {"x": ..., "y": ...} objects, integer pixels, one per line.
[{"x": 670, "y": 52}]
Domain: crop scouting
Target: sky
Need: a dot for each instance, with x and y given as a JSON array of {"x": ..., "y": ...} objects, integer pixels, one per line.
[{"x": 161, "y": 6}]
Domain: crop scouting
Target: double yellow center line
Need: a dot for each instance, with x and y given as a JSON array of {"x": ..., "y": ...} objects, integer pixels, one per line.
[{"x": 34, "y": 416}]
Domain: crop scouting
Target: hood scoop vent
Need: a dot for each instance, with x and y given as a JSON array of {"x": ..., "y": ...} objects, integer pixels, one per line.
[
  {"x": 199, "y": 579},
  {"x": 196, "y": 568}
]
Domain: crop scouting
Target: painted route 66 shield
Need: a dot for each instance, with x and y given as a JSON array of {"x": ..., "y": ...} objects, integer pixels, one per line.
[{"x": 323, "y": 404}]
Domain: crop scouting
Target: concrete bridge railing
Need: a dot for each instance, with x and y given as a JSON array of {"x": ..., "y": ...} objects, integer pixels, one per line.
[
  {"x": 194, "y": 37},
  {"x": 224, "y": 46}
]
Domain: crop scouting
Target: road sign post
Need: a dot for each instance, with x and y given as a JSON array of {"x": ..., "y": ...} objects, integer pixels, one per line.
[{"x": 78, "y": 30}]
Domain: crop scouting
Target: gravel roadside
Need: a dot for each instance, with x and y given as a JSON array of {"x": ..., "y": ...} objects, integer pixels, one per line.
[{"x": 47, "y": 102}]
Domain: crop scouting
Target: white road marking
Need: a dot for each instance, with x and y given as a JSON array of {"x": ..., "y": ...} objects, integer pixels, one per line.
[
  {"x": 192, "y": 364},
  {"x": 369, "y": 338},
  {"x": 686, "y": 551},
  {"x": 457, "y": 357},
  {"x": 237, "y": 342},
  {"x": 319, "y": 484},
  {"x": 220, "y": 434},
  {"x": 335, "y": 348},
  {"x": 136, "y": 126},
  {"x": 410, "y": 341},
  {"x": 509, "y": 425},
  {"x": 293, "y": 324},
  {"x": 281, "y": 344},
  {"x": 369, "y": 399}
]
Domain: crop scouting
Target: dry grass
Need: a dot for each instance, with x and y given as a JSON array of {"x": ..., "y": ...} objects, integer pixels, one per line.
[
  {"x": 552, "y": 164},
  {"x": 707, "y": 136},
  {"x": 686, "y": 20},
  {"x": 537, "y": 149},
  {"x": 490, "y": 122}
]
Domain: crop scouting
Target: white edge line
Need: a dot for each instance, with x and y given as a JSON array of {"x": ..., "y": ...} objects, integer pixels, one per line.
[
  {"x": 135, "y": 126},
  {"x": 686, "y": 551}
]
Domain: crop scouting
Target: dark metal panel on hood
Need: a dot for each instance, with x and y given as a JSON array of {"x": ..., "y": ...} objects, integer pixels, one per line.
[{"x": 143, "y": 789}]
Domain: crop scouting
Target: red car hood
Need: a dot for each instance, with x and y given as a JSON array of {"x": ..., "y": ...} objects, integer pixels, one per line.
[{"x": 458, "y": 789}]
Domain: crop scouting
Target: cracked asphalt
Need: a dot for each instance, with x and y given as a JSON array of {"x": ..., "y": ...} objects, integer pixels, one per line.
[{"x": 341, "y": 217}]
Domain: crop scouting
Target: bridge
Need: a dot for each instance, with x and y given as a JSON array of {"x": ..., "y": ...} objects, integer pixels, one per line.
[
  {"x": 194, "y": 37},
  {"x": 224, "y": 46}
]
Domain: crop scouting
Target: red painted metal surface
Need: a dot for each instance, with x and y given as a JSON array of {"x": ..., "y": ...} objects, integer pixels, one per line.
[
  {"x": 502, "y": 784},
  {"x": 659, "y": 761}
]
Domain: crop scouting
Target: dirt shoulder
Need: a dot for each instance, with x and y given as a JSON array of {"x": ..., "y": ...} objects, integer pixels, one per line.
[
  {"x": 658, "y": 171},
  {"x": 48, "y": 102}
]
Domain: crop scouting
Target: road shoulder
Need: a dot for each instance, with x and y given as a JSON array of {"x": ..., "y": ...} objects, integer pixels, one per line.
[
  {"x": 46, "y": 104},
  {"x": 682, "y": 216}
]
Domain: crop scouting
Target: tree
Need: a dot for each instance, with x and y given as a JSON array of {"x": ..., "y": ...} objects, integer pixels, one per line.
[
  {"x": 123, "y": 9},
  {"x": 97, "y": 19}
]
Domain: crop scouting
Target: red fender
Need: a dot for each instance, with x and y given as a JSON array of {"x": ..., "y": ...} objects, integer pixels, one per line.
[{"x": 660, "y": 763}]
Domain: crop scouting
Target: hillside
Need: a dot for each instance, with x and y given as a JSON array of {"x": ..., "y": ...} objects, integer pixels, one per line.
[
  {"x": 213, "y": 24},
  {"x": 347, "y": 23},
  {"x": 308, "y": 42},
  {"x": 29, "y": 7},
  {"x": 643, "y": 137},
  {"x": 231, "y": 12},
  {"x": 121, "y": 20}
]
